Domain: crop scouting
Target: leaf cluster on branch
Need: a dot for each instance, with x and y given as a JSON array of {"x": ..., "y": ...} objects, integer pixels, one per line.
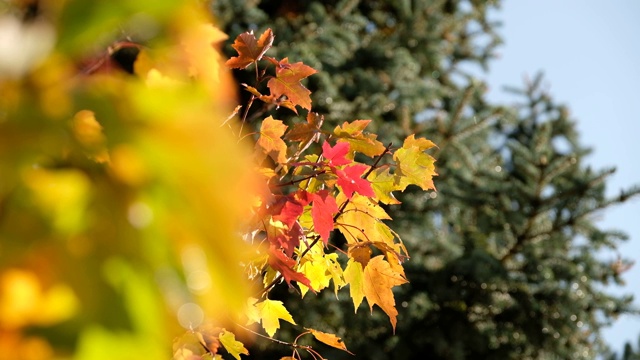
[{"x": 318, "y": 181}]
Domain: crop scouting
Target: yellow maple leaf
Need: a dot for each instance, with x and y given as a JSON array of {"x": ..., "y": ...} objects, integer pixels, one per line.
[
  {"x": 270, "y": 142},
  {"x": 414, "y": 165},
  {"x": 316, "y": 272},
  {"x": 363, "y": 217},
  {"x": 329, "y": 339},
  {"x": 271, "y": 311},
  {"x": 379, "y": 279},
  {"x": 354, "y": 276},
  {"x": 233, "y": 347}
]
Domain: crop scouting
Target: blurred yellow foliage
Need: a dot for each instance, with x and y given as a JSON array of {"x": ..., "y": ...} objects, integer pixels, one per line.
[
  {"x": 24, "y": 302},
  {"x": 121, "y": 195}
]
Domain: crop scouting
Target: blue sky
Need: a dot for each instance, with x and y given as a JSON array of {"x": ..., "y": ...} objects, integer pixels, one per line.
[{"x": 589, "y": 52}]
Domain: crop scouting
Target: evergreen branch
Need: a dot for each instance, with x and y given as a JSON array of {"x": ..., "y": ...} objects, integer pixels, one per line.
[{"x": 457, "y": 114}]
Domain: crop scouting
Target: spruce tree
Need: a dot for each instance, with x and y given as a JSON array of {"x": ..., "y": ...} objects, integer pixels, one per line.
[
  {"x": 504, "y": 258},
  {"x": 628, "y": 352}
]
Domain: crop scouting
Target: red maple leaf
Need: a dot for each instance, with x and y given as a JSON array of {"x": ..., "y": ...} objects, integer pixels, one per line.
[
  {"x": 250, "y": 49},
  {"x": 284, "y": 264},
  {"x": 335, "y": 155},
  {"x": 349, "y": 179},
  {"x": 322, "y": 211},
  {"x": 288, "y": 209},
  {"x": 287, "y": 82},
  {"x": 287, "y": 239}
]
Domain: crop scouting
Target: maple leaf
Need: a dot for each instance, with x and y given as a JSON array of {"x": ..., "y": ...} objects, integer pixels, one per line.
[
  {"x": 354, "y": 276},
  {"x": 336, "y": 155},
  {"x": 360, "y": 253},
  {"x": 284, "y": 264},
  {"x": 393, "y": 253},
  {"x": 379, "y": 279},
  {"x": 250, "y": 49},
  {"x": 285, "y": 237},
  {"x": 233, "y": 347},
  {"x": 422, "y": 143},
  {"x": 384, "y": 184},
  {"x": 289, "y": 208},
  {"x": 353, "y": 133},
  {"x": 349, "y": 179},
  {"x": 413, "y": 165},
  {"x": 270, "y": 313},
  {"x": 270, "y": 99},
  {"x": 308, "y": 132},
  {"x": 316, "y": 272},
  {"x": 329, "y": 339},
  {"x": 361, "y": 221},
  {"x": 287, "y": 82},
  {"x": 270, "y": 142},
  {"x": 335, "y": 270},
  {"x": 323, "y": 209}
]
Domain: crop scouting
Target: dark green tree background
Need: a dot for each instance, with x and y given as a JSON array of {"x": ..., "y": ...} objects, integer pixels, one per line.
[{"x": 504, "y": 255}]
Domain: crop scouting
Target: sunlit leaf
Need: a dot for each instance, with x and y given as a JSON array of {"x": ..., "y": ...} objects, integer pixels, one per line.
[
  {"x": 233, "y": 347},
  {"x": 354, "y": 276},
  {"x": 287, "y": 82},
  {"x": 322, "y": 211},
  {"x": 270, "y": 142},
  {"x": 329, "y": 339},
  {"x": 379, "y": 279},
  {"x": 271, "y": 312}
]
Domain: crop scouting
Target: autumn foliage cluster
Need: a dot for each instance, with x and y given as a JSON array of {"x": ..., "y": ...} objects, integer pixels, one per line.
[
  {"x": 318, "y": 181},
  {"x": 129, "y": 178}
]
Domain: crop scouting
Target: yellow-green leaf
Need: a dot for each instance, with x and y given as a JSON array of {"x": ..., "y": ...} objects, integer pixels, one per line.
[
  {"x": 233, "y": 347},
  {"x": 359, "y": 141},
  {"x": 354, "y": 276},
  {"x": 414, "y": 167},
  {"x": 384, "y": 184}
]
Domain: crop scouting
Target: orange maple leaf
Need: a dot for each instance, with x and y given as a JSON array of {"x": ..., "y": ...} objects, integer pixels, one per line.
[
  {"x": 250, "y": 49},
  {"x": 270, "y": 142},
  {"x": 287, "y": 82},
  {"x": 379, "y": 279}
]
